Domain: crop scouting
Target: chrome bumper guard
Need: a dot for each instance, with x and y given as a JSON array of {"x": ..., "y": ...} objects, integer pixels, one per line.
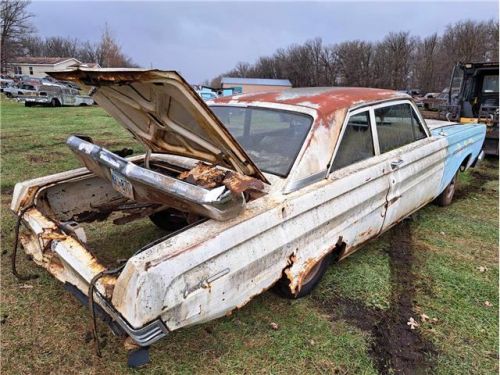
[{"x": 143, "y": 336}]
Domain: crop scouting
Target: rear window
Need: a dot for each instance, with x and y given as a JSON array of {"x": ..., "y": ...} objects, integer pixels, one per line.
[
  {"x": 397, "y": 125},
  {"x": 272, "y": 138}
]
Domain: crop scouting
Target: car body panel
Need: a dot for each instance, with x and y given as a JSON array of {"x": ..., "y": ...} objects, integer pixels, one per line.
[
  {"x": 463, "y": 142},
  {"x": 214, "y": 267}
]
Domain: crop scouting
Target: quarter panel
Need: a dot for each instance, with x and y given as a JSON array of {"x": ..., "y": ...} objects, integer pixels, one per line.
[
  {"x": 462, "y": 141},
  {"x": 211, "y": 269}
]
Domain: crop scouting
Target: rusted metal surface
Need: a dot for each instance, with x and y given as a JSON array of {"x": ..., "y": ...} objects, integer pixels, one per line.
[
  {"x": 62, "y": 255},
  {"x": 209, "y": 177},
  {"x": 325, "y": 100},
  {"x": 213, "y": 267},
  {"x": 204, "y": 175}
]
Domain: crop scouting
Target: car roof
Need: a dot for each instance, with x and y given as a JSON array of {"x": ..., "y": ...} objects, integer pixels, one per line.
[{"x": 323, "y": 99}]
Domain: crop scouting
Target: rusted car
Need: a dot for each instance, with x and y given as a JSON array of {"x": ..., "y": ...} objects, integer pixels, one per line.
[{"x": 256, "y": 190}]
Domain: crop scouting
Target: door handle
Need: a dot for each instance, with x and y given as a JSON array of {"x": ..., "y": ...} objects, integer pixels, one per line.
[{"x": 396, "y": 163}]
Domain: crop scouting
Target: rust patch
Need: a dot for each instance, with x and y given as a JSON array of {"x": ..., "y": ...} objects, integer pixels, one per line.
[
  {"x": 210, "y": 177},
  {"x": 55, "y": 264},
  {"x": 109, "y": 285},
  {"x": 308, "y": 267},
  {"x": 238, "y": 183},
  {"x": 325, "y": 100},
  {"x": 204, "y": 175},
  {"x": 103, "y": 78},
  {"x": 50, "y": 235},
  {"x": 366, "y": 233}
]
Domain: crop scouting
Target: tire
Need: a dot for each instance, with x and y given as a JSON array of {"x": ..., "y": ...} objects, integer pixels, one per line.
[
  {"x": 55, "y": 103},
  {"x": 310, "y": 281},
  {"x": 169, "y": 220},
  {"x": 8, "y": 94},
  {"x": 27, "y": 104},
  {"x": 446, "y": 197}
]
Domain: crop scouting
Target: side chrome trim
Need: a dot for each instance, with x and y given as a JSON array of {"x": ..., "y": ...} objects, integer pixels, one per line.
[{"x": 299, "y": 184}]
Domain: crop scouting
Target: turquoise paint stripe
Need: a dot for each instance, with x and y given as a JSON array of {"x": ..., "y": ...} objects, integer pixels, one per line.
[{"x": 463, "y": 140}]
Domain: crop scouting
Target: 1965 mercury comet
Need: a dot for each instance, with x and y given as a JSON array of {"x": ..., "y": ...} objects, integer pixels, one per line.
[{"x": 255, "y": 190}]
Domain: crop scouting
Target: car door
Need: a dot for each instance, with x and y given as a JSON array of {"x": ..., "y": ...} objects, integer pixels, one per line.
[
  {"x": 361, "y": 180},
  {"x": 68, "y": 96},
  {"x": 416, "y": 160}
]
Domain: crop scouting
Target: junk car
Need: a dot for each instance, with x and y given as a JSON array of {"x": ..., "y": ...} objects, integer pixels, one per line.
[
  {"x": 256, "y": 190},
  {"x": 55, "y": 95}
]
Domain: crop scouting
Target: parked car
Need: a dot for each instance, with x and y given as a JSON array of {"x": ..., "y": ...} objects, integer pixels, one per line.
[
  {"x": 432, "y": 101},
  {"x": 255, "y": 190},
  {"x": 56, "y": 96},
  {"x": 420, "y": 100},
  {"x": 70, "y": 85},
  {"x": 206, "y": 96},
  {"x": 21, "y": 90},
  {"x": 6, "y": 82}
]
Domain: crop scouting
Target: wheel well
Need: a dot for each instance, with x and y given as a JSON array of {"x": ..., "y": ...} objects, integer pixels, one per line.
[{"x": 465, "y": 162}]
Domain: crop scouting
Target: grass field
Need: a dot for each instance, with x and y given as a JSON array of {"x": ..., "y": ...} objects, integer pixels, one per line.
[{"x": 427, "y": 268}]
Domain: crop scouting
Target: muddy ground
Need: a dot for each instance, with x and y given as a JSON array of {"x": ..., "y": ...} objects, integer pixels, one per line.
[{"x": 397, "y": 348}]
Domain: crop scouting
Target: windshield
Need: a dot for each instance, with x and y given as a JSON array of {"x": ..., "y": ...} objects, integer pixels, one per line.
[{"x": 272, "y": 138}]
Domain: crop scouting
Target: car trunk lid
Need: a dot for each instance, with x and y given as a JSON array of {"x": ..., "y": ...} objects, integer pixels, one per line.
[{"x": 165, "y": 114}]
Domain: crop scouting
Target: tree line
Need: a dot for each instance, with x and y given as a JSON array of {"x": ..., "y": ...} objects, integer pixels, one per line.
[
  {"x": 19, "y": 39},
  {"x": 399, "y": 61}
]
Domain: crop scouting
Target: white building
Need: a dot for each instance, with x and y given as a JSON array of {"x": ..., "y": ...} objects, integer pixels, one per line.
[{"x": 37, "y": 67}]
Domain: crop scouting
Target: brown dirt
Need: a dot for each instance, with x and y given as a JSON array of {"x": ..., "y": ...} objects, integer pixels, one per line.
[
  {"x": 476, "y": 185},
  {"x": 44, "y": 158},
  {"x": 395, "y": 349}
]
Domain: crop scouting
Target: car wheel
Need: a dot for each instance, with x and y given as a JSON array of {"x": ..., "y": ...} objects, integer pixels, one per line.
[
  {"x": 169, "y": 220},
  {"x": 309, "y": 282},
  {"x": 8, "y": 94},
  {"x": 446, "y": 197},
  {"x": 27, "y": 104},
  {"x": 55, "y": 103}
]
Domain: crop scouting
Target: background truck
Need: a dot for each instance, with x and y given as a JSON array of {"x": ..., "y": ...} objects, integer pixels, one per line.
[{"x": 473, "y": 97}]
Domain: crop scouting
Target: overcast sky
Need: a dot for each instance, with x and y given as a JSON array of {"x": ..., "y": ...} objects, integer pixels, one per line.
[{"x": 202, "y": 40}]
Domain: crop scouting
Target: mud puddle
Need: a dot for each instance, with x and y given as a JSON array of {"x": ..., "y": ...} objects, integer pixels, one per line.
[{"x": 396, "y": 348}]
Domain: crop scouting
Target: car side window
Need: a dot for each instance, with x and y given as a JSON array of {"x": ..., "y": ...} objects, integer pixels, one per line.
[
  {"x": 356, "y": 143},
  {"x": 397, "y": 125}
]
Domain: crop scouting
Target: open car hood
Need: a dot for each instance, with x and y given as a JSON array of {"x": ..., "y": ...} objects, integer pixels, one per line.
[{"x": 165, "y": 114}]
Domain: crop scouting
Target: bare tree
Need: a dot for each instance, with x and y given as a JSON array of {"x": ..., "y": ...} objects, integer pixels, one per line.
[
  {"x": 242, "y": 69},
  {"x": 397, "y": 51},
  {"x": 109, "y": 52},
  {"x": 465, "y": 41},
  {"x": 354, "y": 60},
  {"x": 426, "y": 62},
  {"x": 399, "y": 61},
  {"x": 15, "y": 25}
]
